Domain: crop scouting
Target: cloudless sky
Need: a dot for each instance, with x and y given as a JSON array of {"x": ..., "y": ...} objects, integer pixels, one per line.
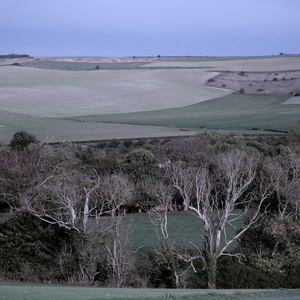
[{"x": 149, "y": 27}]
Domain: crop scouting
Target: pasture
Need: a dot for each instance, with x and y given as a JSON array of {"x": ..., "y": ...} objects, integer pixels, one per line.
[
  {"x": 30, "y": 291},
  {"x": 182, "y": 226},
  {"x": 134, "y": 98}
]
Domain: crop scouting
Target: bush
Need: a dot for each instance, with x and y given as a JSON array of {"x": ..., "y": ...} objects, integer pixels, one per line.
[
  {"x": 128, "y": 143},
  {"x": 29, "y": 249},
  {"x": 21, "y": 140},
  {"x": 114, "y": 143},
  {"x": 101, "y": 145},
  {"x": 140, "y": 142},
  {"x": 154, "y": 141},
  {"x": 138, "y": 164}
]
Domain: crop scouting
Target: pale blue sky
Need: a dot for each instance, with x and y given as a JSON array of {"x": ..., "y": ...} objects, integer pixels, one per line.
[{"x": 149, "y": 27}]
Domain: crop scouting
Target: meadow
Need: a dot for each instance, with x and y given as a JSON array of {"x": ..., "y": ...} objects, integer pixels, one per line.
[
  {"x": 182, "y": 226},
  {"x": 58, "y": 99}
]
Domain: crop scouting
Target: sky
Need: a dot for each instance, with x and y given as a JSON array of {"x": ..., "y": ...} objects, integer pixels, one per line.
[{"x": 149, "y": 27}]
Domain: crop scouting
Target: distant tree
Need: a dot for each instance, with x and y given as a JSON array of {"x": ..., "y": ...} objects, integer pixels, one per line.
[
  {"x": 128, "y": 143},
  {"x": 114, "y": 143},
  {"x": 22, "y": 139},
  {"x": 222, "y": 140},
  {"x": 137, "y": 164}
]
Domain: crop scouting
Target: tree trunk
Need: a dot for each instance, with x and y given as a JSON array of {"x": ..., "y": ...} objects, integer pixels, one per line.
[{"x": 212, "y": 272}]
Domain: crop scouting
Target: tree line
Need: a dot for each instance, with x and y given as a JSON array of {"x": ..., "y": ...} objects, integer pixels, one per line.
[{"x": 65, "y": 203}]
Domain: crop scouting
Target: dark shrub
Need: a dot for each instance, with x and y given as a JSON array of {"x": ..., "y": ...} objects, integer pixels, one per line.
[
  {"x": 101, "y": 145},
  {"x": 128, "y": 143},
  {"x": 29, "y": 249},
  {"x": 140, "y": 142},
  {"x": 114, "y": 143},
  {"x": 22, "y": 139}
]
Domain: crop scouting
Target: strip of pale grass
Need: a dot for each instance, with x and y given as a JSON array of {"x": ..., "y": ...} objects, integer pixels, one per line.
[
  {"x": 27, "y": 291},
  {"x": 293, "y": 100},
  {"x": 229, "y": 112}
]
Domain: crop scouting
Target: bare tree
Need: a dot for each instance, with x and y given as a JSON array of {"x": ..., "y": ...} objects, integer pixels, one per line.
[
  {"x": 163, "y": 194},
  {"x": 117, "y": 191},
  {"x": 58, "y": 192},
  {"x": 183, "y": 180},
  {"x": 215, "y": 195},
  {"x": 284, "y": 175}
]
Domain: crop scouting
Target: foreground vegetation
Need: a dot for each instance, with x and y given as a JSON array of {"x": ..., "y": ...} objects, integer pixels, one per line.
[
  {"x": 72, "y": 207},
  {"x": 25, "y": 291}
]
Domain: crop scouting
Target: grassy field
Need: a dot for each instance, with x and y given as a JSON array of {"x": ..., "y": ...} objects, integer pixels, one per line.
[
  {"x": 74, "y": 105},
  {"x": 69, "y": 65},
  {"x": 27, "y": 291},
  {"x": 53, "y": 93},
  {"x": 229, "y": 112},
  {"x": 57, "y": 130},
  {"x": 182, "y": 227}
]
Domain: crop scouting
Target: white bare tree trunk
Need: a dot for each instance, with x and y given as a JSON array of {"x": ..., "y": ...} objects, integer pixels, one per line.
[{"x": 214, "y": 194}]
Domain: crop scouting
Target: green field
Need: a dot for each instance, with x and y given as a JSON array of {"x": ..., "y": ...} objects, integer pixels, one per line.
[
  {"x": 124, "y": 100},
  {"x": 235, "y": 111},
  {"x": 69, "y": 65},
  {"x": 27, "y": 291},
  {"x": 182, "y": 227}
]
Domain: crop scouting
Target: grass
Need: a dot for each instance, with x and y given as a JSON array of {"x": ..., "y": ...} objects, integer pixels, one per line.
[
  {"x": 136, "y": 103},
  {"x": 75, "y": 65},
  {"x": 53, "y": 93},
  {"x": 182, "y": 226},
  {"x": 56, "y": 130},
  {"x": 293, "y": 100},
  {"x": 27, "y": 291},
  {"x": 229, "y": 112}
]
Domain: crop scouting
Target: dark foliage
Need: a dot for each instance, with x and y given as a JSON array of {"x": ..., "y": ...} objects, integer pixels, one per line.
[
  {"x": 29, "y": 249},
  {"x": 22, "y": 139}
]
